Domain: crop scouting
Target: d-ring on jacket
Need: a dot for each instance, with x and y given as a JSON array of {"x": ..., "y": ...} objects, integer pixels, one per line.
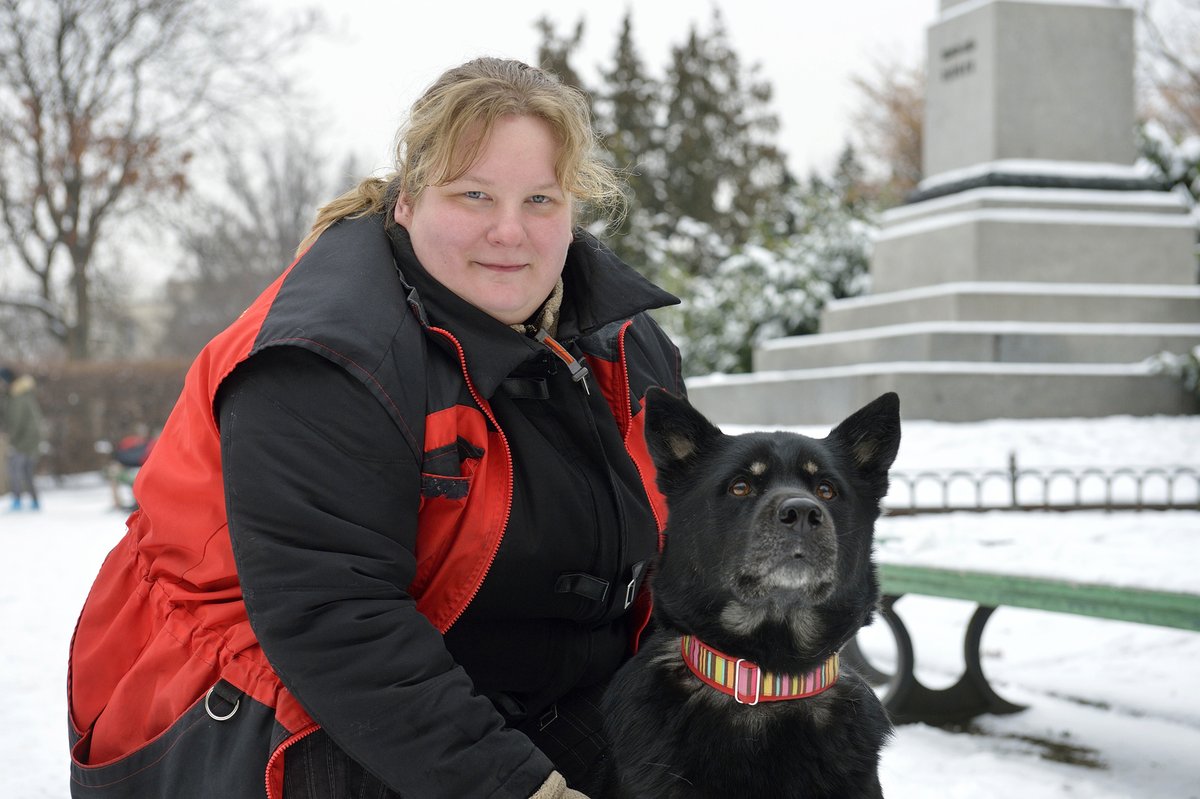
[{"x": 164, "y": 648}]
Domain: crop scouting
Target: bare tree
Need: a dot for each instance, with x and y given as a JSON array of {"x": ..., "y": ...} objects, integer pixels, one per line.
[
  {"x": 102, "y": 103},
  {"x": 889, "y": 124},
  {"x": 239, "y": 236},
  {"x": 1170, "y": 64}
]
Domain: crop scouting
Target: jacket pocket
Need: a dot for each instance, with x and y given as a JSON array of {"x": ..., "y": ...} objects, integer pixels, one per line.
[
  {"x": 219, "y": 747},
  {"x": 448, "y": 475},
  {"x": 446, "y": 471}
]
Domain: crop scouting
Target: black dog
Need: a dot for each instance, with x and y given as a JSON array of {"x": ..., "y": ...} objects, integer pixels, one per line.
[{"x": 766, "y": 573}]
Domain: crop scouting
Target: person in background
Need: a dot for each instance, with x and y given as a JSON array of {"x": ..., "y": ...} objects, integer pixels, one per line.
[
  {"x": 25, "y": 427},
  {"x": 391, "y": 541},
  {"x": 127, "y": 457}
]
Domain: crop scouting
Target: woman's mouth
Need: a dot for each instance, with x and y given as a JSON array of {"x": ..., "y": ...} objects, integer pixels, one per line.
[{"x": 501, "y": 267}]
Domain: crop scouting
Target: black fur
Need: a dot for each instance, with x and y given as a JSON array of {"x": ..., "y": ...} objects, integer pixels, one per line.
[{"x": 782, "y": 585}]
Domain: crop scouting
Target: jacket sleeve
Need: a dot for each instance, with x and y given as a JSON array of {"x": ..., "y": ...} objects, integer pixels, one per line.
[{"x": 322, "y": 494}]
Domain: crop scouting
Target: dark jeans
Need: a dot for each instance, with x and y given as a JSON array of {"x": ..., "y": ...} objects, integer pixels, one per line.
[
  {"x": 315, "y": 768},
  {"x": 20, "y": 474},
  {"x": 569, "y": 734}
]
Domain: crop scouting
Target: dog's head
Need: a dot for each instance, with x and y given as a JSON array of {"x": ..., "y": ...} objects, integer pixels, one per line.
[{"x": 769, "y": 531}]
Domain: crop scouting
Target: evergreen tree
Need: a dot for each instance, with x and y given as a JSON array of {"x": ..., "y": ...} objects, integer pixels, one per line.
[
  {"x": 714, "y": 215},
  {"x": 554, "y": 53},
  {"x": 724, "y": 169},
  {"x": 629, "y": 119}
]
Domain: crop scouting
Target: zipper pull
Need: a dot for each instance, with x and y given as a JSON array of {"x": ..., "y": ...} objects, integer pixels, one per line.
[{"x": 579, "y": 372}]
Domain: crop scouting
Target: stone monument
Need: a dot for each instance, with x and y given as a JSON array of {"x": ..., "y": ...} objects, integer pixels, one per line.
[{"x": 1035, "y": 268}]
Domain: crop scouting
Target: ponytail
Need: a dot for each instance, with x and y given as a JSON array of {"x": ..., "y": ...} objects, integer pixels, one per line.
[{"x": 370, "y": 196}]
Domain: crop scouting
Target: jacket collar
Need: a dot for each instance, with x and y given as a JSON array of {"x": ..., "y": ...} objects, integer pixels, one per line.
[{"x": 599, "y": 289}]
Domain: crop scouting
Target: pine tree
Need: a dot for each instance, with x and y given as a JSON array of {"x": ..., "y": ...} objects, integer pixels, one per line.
[
  {"x": 714, "y": 215},
  {"x": 629, "y": 119},
  {"x": 554, "y": 53},
  {"x": 723, "y": 168}
]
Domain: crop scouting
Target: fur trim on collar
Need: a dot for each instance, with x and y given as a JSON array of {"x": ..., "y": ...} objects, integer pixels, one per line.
[{"x": 546, "y": 317}]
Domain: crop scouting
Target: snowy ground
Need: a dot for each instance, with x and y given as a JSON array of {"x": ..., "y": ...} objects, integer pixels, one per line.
[{"x": 1114, "y": 710}]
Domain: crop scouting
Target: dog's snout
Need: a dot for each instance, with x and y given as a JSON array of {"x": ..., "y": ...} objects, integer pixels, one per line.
[{"x": 800, "y": 514}]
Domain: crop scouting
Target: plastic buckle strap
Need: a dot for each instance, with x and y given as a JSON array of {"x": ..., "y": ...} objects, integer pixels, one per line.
[
  {"x": 578, "y": 371},
  {"x": 756, "y": 674},
  {"x": 631, "y": 587},
  {"x": 582, "y": 584}
]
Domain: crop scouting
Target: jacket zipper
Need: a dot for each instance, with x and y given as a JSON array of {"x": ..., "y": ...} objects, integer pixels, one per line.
[
  {"x": 627, "y": 403},
  {"x": 628, "y": 422},
  {"x": 487, "y": 410},
  {"x": 278, "y": 753},
  {"x": 646, "y": 485}
]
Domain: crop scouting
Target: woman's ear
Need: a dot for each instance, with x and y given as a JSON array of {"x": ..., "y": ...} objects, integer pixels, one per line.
[{"x": 404, "y": 211}]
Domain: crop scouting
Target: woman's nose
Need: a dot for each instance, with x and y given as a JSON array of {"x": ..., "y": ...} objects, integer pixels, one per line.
[{"x": 507, "y": 229}]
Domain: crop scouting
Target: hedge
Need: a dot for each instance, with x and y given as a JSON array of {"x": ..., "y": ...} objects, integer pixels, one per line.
[{"x": 89, "y": 402}]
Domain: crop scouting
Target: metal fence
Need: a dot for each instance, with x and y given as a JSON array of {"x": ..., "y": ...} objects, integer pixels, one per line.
[{"x": 1044, "y": 488}]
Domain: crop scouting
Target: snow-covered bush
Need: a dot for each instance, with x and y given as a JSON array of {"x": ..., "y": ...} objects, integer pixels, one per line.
[
  {"x": 775, "y": 285},
  {"x": 1176, "y": 162},
  {"x": 1184, "y": 366}
]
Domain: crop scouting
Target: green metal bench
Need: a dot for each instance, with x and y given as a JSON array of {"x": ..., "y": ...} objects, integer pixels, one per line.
[{"x": 907, "y": 700}]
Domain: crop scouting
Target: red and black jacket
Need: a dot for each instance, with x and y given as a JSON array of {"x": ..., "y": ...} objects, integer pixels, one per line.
[{"x": 165, "y": 648}]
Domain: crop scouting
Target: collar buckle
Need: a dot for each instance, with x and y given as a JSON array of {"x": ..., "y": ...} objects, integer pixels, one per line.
[{"x": 754, "y": 672}]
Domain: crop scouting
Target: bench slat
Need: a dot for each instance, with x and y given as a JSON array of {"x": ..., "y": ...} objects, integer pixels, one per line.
[{"x": 1162, "y": 608}]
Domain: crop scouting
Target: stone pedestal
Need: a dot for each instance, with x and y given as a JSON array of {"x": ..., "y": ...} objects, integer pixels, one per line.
[
  {"x": 1029, "y": 80},
  {"x": 1034, "y": 270},
  {"x": 1014, "y": 233}
]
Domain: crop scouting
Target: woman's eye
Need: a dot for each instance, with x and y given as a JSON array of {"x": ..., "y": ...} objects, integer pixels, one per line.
[
  {"x": 826, "y": 491},
  {"x": 740, "y": 488},
  {"x": 540, "y": 199},
  {"x": 474, "y": 195}
]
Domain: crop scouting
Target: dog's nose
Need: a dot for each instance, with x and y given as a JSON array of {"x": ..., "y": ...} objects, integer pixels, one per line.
[{"x": 800, "y": 514}]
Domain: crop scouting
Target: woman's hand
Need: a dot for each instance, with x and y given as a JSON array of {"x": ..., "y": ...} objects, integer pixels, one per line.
[{"x": 555, "y": 787}]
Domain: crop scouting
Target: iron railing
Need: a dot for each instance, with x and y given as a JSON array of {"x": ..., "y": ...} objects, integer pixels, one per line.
[{"x": 1044, "y": 488}]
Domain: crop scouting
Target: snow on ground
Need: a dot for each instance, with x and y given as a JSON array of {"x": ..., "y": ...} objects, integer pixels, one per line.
[
  {"x": 1123, "y": 549},
  {"x": 1113, "y": 708},
  {"x": 52, "y": 557}
]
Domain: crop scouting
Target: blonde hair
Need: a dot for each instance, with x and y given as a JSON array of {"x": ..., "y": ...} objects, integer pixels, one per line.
[{"x": 450, "y": 124}]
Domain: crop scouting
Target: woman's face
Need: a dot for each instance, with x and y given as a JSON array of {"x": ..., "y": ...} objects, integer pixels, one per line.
[{"x": 498, "y": 235}]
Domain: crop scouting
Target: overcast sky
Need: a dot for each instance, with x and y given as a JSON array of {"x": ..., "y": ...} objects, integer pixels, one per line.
[{"x": 380, "y": 54}]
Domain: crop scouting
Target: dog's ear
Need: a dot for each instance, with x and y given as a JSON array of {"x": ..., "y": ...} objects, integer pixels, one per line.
[
  {"x": 872, "y": 433},
  {"x": 675, "y": 431}
]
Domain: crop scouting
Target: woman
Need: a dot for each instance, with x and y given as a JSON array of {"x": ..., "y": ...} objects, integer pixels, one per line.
[
  {"x": 391, "y": 540},
  {"x": 25, "y": 426}
]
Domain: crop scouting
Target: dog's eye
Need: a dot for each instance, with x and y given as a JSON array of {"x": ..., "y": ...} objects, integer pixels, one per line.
[
  {"x": 741, "y": 488},
  {"x": 826, "y": 491}
]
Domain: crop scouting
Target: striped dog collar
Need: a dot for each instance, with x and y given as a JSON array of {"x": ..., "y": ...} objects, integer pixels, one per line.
[{"x": 747, "y": 683}]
